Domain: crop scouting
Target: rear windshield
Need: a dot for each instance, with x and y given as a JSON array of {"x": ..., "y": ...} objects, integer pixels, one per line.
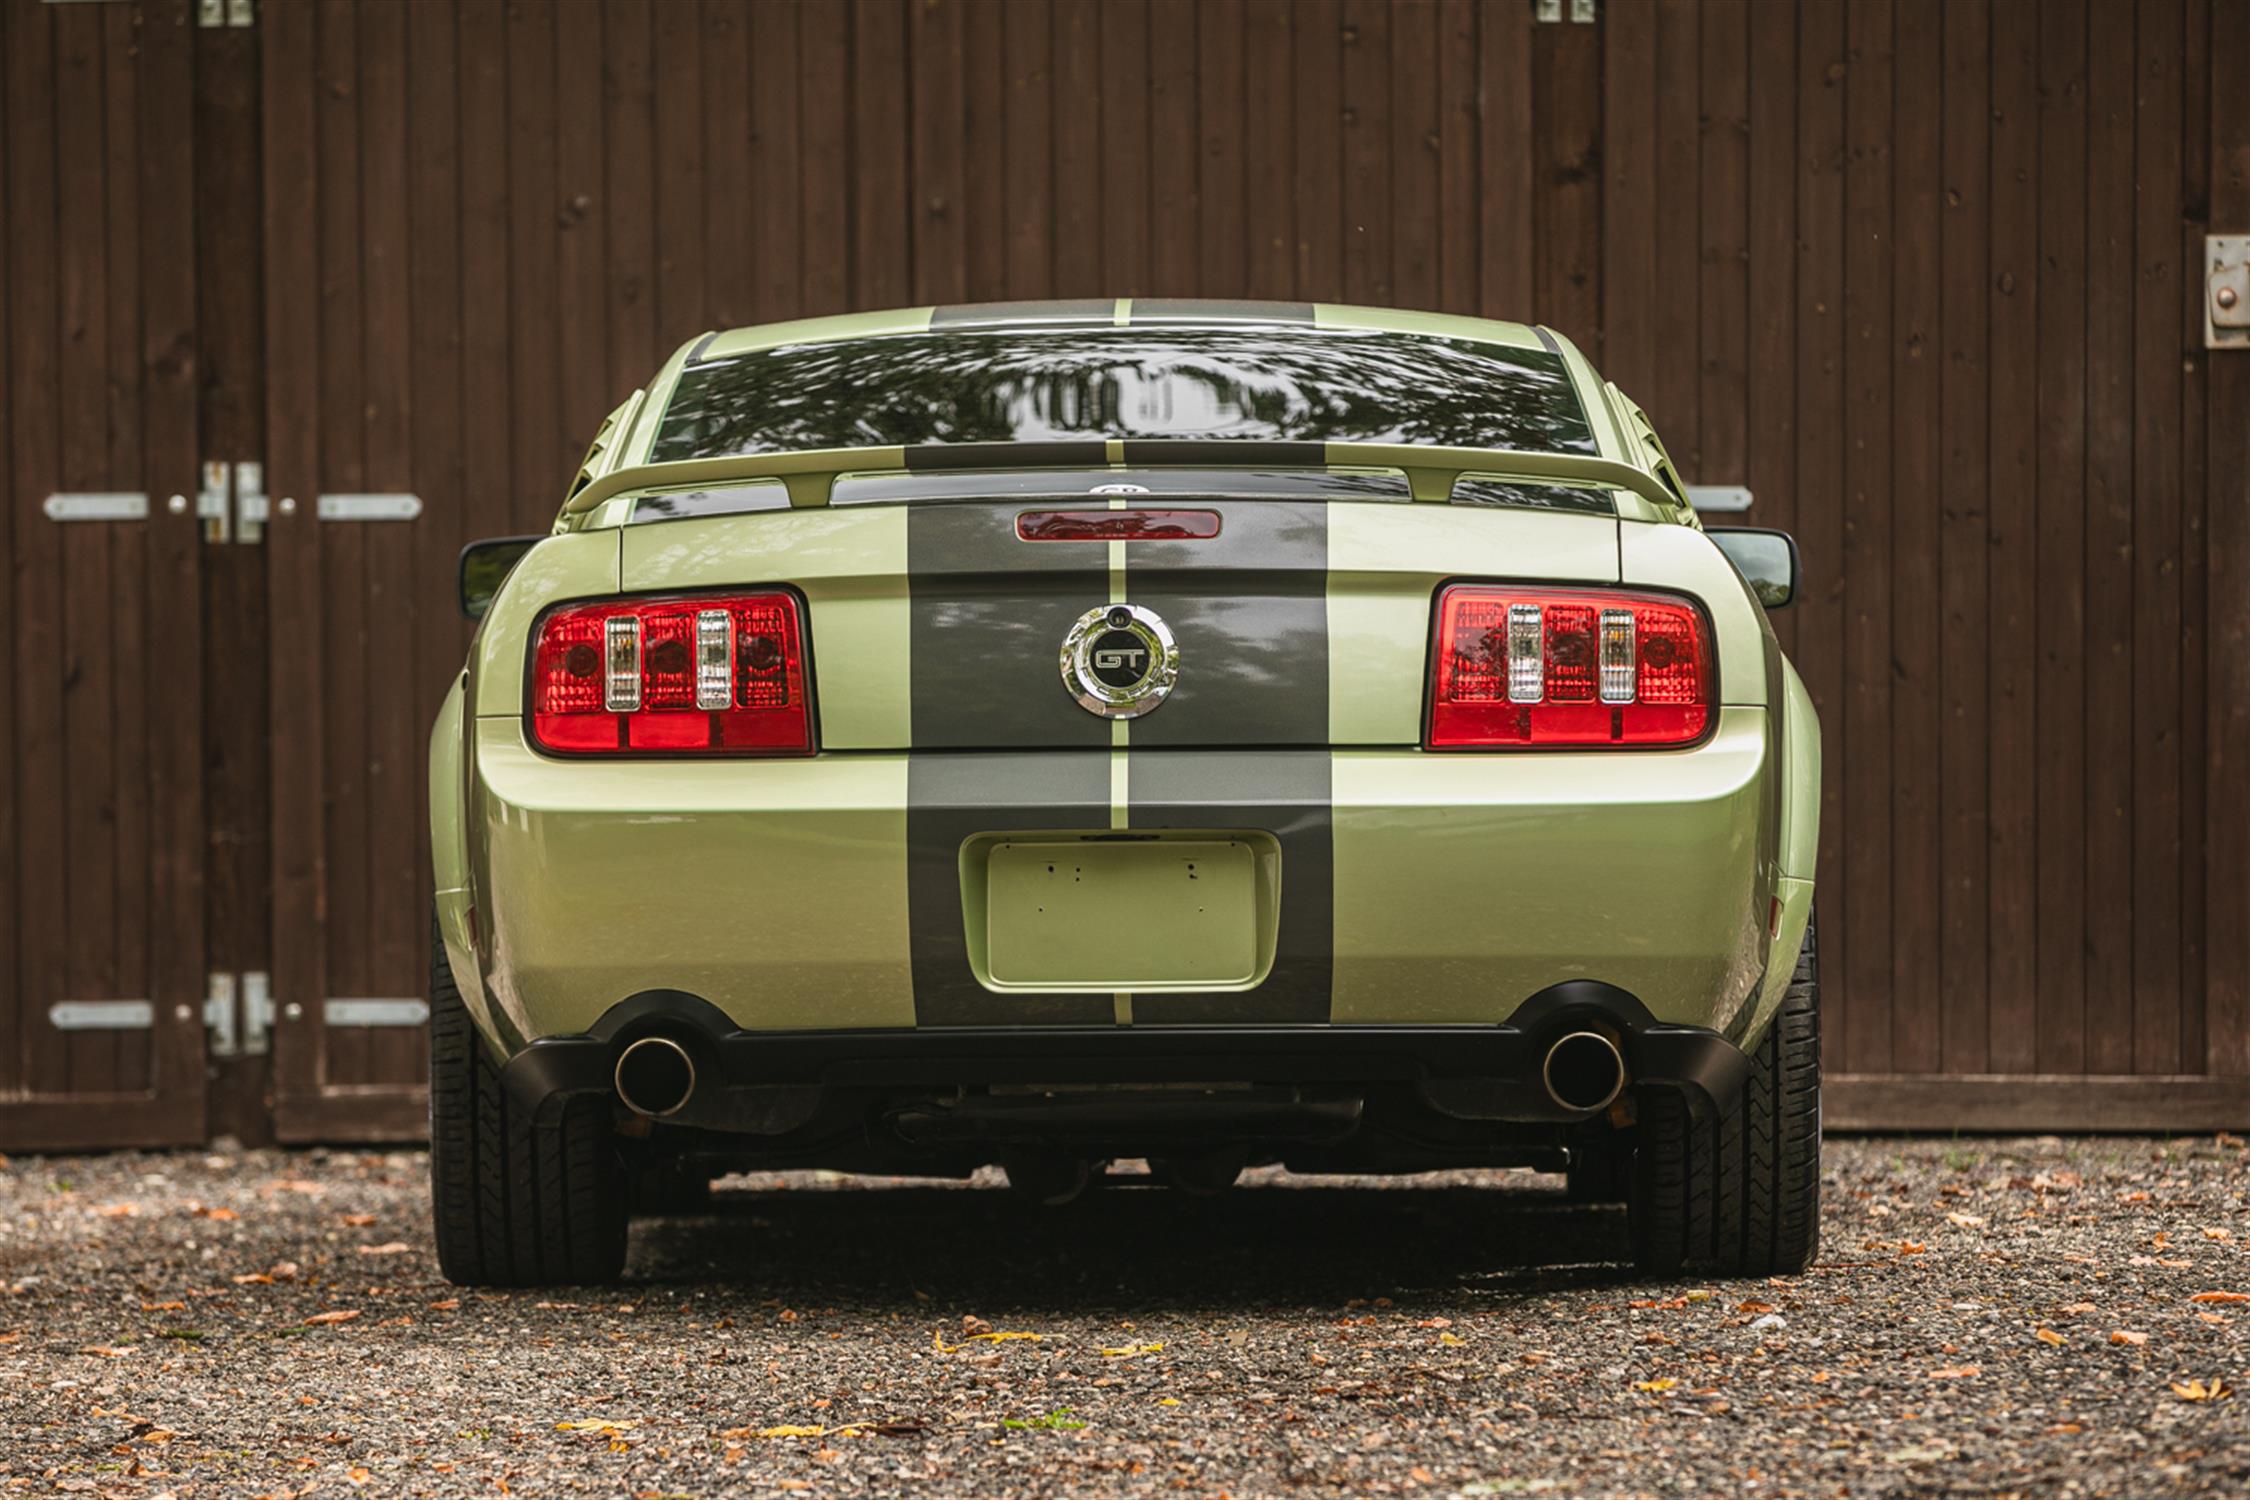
[{"x": 1236, "y": 383}]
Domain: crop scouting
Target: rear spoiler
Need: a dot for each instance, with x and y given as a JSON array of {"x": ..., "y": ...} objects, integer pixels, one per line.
[{"x": 1430, "y": 471}]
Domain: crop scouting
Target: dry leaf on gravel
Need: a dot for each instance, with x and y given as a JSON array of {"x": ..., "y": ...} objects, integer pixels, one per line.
[
  {"x": 2213, "y": 1389},
  {"x": 334, "y": 1315},
  {"x": 2220, "y": 1297},
  {"x": 357, "y": 1221},
  {"x": 995, "y": 1337},
  {"x": 1129, "y": 1351},
  {"x": 115, "y": 1210},
  {"x": 106, "y": 1351},
  {"x": 1956, "y": 1372},
  {"x": 1966, "y": 1221},
  {"x": 2049, "y": 1336},
  {"x": 2127, "y": 1336},
  {"x": 1655, "y": 1386},
  {"x": 393, "y": 1247},
  {"x": 601, "y": 1425}
]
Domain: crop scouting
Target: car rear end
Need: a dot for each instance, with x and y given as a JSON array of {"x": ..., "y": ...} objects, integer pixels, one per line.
[{"x": 861, "y": 834}]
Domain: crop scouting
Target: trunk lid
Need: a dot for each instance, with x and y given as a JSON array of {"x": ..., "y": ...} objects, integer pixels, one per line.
[{"x": 1302, "y": 623}]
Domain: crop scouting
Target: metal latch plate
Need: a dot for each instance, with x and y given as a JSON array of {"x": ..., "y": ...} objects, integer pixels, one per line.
[{"x": 2226, "y": 291}]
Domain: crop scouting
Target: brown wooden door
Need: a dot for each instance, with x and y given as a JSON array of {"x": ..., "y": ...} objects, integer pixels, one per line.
[
  {"x": 364, "y": 636},
  {"x": 102, "y": 980}
]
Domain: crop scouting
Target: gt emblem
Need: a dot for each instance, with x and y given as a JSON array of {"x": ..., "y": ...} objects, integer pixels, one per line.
[{"x": 1120, "y": 661}]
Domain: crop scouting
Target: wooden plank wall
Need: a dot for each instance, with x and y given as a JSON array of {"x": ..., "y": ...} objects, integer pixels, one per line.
[{"x": 1924, "y": 274}]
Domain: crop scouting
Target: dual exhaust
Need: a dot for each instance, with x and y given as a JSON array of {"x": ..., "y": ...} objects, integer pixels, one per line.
[{"x": 1583, "y": 1071}]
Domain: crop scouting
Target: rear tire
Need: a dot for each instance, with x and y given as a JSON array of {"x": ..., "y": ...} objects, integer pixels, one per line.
[
  {"x": 1736, "y": 1191},
  {"x": 517, "y": 1201}
]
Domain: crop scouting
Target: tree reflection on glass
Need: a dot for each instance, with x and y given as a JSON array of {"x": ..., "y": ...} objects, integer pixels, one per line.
[{"x": 1237, "y": 383}]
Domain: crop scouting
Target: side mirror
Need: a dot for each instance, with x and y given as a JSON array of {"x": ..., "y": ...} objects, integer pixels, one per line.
[
  {"x": 486, "y": 565},
  {"x": 1767, "y": 561}
]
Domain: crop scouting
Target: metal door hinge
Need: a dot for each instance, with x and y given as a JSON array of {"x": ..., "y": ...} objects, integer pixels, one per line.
[
  {"x": 101, "y": 1015},
  {"x": 224, "y": 12},
  {"x": 2226, "y": 291},
  {"x": 358, "y": 1011},
  {"x": 97, "y": 505}
]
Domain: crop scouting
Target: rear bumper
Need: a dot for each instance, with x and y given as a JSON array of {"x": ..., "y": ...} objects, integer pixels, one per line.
[
  {"x": 766, "y": 1083},
  {"x": 824, "y": 895}
]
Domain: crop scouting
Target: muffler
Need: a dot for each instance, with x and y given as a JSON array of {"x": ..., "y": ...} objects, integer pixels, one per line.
[
  {"x": 655, "y": 1077},
  {"x": 1583, "y": 1071}
]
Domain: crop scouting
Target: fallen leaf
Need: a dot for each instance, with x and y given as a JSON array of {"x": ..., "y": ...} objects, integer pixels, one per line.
[
  {"x": 2124, "y": 1336},
  {"x": 1129, "y": 1351},
  {"x": 357, "y": 1475},
  {"x": 1957, "y": 1372},
  {"x": 393, "y": 1247},
  {"x": 603, "y": 1425},
  {"x": 333, "y": 1315},
  {"x": 1655, "y": 1385},
  {"x": 448, "y": 1305},
  {"x": 2049, "y": 1336},
  {"x": 2218, "y": 1234},
  {"x": 2077, "y": 1308},
  {"x": 1911, "y": 1247},
  {"x": 2213, "y": 1389},
  {"x": 1451, "y": 1340},
  {"x": 996, "y": 1337},
  {"x": 253, "y": 1278},
  {"x": 162, "y": 1306},
  {"x": 1966, "y": 1221},
  {"x": 358, "y": 1221},
  {"x": 106, "y": 1351},
  {"x": 217, "y": 1215},
  {"x": 116, "y": 1210},
  {"x": 2220, "y": 1297}
]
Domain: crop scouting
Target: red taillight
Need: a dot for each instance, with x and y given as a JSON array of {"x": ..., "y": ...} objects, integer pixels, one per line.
[
  {"x": 724, "y": 673},
  {"x": 1534, "y": 667},
  {"x": 1117, "y": 525}
]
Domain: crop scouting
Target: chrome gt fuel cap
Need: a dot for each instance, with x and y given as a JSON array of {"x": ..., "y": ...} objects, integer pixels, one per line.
[{"x": 1120, "y": 661}]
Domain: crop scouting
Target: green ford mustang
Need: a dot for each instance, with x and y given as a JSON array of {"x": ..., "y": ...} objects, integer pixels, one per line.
[{"x": 1051, "y": 733}]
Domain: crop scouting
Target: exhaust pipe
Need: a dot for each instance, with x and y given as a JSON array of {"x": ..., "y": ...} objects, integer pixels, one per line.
[
  {"x": 1583, "y": 1071},
  {"x": 655, "y": 1077}
]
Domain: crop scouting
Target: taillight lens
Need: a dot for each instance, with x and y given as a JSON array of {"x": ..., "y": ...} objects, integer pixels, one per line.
[
  {"x": 1535, "y": 667},
  {"x": 710, "y": 673}
]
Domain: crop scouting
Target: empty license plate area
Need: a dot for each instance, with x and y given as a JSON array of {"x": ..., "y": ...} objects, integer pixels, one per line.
[{"x": 1122, "y": 913}]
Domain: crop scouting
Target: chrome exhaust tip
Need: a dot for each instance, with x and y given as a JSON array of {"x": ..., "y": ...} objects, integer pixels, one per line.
[
  {"x": 655, "y": 1077},
  {"x": 1583, "y": 1071}
]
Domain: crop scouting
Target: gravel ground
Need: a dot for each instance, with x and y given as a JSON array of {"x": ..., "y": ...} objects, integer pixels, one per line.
[{"x": 1990, "y": 1317}]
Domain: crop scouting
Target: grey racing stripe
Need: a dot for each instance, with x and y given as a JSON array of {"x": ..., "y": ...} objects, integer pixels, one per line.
[
  {"x": 989, "y": 614},
  {"x": 1289, "y": 793},
  {"x": 998, "y": 744},
  {"x": 1227, "y": 452},
  {"x": 1216, "y": 310},
  {"x": 952, "y": 797},
  {"x": 1249, "y": 609},
  {"x": 1083, "y": 454},
  {"x": 993, "y": 314}
]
